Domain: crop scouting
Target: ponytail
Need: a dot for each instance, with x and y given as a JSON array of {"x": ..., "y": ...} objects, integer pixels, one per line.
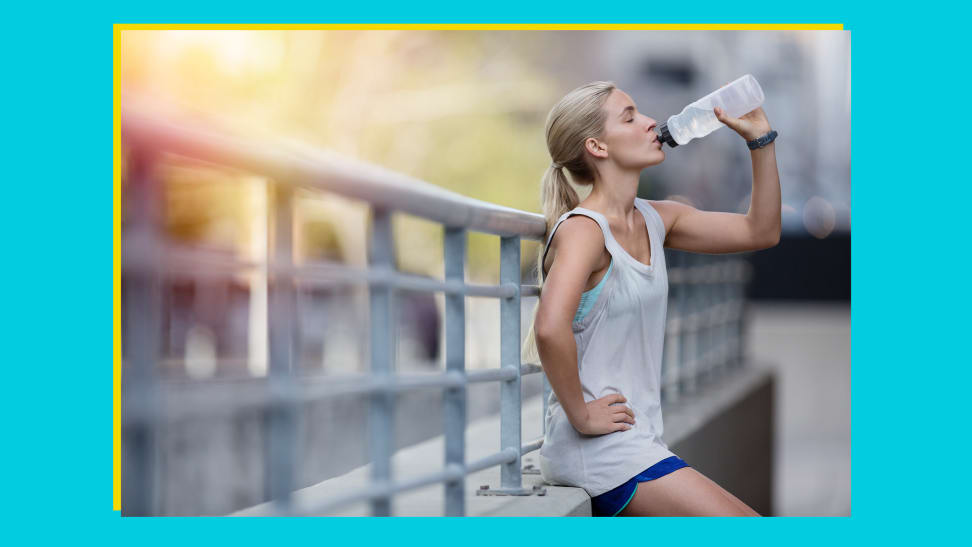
[{"x": 556, "y": 196}]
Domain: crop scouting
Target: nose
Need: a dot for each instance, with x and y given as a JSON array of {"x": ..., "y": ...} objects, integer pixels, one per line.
[{"x": 651, "y": 123}]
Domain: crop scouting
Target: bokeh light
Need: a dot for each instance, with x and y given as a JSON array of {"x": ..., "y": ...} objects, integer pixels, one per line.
[{"x": 819, "y": 217}]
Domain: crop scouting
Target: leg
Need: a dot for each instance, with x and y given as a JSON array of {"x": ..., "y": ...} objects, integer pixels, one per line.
[
  {"x": 742, "y": 506},
  {"x": 685, "y": 492}
]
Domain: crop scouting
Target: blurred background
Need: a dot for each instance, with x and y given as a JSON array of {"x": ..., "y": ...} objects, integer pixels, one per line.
[{"x": 465, "y": 110}]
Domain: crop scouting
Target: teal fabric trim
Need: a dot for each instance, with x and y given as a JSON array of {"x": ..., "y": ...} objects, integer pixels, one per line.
[
  {"x": 589, "y": 297},
  {"x": 627, "y": 502}
]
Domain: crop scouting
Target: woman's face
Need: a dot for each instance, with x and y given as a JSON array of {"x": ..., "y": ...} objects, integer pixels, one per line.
[{"x": 629, "y": 136}]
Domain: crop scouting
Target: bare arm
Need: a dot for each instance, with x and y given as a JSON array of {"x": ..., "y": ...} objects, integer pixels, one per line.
[
  {"x": 577, "y": 245},
  {"x": 715, "y": 232}
]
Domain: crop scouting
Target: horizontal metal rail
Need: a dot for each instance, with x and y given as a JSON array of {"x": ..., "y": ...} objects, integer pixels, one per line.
[
  {"x": 728, "y": 271},
  {"x": 192, "y": 398},
  {"x": 499, "y": 458},
  {"x": 531, "y": 446},
  {"x": 529, "y": 290},
  {"x": 197, "y": 264},
  {"x": 288, "y": 161},
  {"x": 207, "y": 264}
]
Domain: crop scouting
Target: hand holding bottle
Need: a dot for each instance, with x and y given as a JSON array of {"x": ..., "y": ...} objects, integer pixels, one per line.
[{"x": 749, "y": 126}]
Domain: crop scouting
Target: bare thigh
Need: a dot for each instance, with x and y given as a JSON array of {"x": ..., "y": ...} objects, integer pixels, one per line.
[{"x": 685, "y": 493}]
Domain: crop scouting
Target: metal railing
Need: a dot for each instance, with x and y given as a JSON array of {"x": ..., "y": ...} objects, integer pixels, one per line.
[
  {"x": 705, "y": 326},
  {"x": 703, "y": 337},
  {"x": 147, "y": 257}
]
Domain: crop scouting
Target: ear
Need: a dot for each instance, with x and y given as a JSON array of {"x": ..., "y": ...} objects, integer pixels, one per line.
[{"x": 595, "y": 148}]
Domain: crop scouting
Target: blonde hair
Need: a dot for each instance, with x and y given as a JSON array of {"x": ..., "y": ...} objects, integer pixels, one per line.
[{"x": 574, "y": 119}]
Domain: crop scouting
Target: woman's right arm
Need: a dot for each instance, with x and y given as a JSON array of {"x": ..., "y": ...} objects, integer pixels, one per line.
[{"x": 573, "y": 263}]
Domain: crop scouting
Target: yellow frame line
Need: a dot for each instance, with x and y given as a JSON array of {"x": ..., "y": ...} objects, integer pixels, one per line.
[
  {"x": 116, "y": 504},
  {"x": 485, "y": 26}
]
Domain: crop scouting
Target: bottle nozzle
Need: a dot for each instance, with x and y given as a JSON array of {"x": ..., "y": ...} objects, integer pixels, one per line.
[{"x": 664, "y": 136}]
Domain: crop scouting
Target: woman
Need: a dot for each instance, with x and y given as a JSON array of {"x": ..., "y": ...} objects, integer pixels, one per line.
[{"x": 600, "y": 322}]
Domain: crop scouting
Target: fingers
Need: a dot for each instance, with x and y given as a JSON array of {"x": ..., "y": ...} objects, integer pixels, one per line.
[
  {"x": 623, "y": 414},
  {"x": 627, "y": 417},
  {"x": 620, "y": 417},
  {"x": 724, "y": 118},
  {"x": 622, "y": 410},
  {"x": 614, "y": 398}
]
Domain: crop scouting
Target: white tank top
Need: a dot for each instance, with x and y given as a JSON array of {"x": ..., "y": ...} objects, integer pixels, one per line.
[{"x": 619, "y": 350}]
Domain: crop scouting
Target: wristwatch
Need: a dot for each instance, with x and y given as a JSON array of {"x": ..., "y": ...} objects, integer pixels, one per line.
[{"x": 762, "y": 141}]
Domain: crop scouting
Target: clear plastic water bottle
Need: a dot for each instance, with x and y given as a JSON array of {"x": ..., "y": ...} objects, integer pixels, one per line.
[{"x": 697, "y": 120}]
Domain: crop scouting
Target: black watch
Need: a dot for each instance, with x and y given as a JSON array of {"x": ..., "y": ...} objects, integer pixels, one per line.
[{"x": 762, "y": 141}]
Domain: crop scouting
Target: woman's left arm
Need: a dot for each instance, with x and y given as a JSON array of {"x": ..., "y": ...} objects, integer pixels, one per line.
[{"x": 714, "y": 232}]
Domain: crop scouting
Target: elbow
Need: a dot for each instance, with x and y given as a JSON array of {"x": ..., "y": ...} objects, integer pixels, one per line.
[
  {"x": 764, "y": 234},
  {"x": 544, "y": 330},
  {"x": 770, "y": 239},
  {"x": 774, "y": 239},
  {"x": 541, "y": 332}
]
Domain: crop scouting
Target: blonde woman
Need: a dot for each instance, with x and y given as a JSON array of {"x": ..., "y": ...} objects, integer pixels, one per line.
[{"x": 600, "y": 322}]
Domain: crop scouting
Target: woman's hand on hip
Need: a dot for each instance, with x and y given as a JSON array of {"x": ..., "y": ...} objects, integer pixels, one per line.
[
  {"x": 749, "y": 126},
  {"x": 604, "y": 416}
]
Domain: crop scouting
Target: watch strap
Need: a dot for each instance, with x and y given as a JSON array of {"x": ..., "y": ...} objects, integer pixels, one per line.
[{"x": 762, "y": 141}]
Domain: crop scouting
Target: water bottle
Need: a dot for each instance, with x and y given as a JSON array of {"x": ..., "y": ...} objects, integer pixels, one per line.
[{"x": 698, "y": 119}]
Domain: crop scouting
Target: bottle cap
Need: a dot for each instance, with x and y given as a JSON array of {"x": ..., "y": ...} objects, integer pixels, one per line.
[{"x": 664, "y": 136}]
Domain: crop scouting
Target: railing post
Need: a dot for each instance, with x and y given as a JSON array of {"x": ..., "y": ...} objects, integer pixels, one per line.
[
  {"x": 380, "y": 422},
  {"x": 510, "y": 429},
  {"x": 282, "y": 438},
  {"x": 142, "y": 309},
  {"x": 258, "y": 326},
  {"x": 454, "y": 398},
  {"x": 744, "y": 274},
  {"x": 670, "y": 351},
  {"x": 724, "y": 287},
  {"x": 690, "y": 341},
  {"x": 706, "y": 336},
  {"x": 677, "y": 312}
]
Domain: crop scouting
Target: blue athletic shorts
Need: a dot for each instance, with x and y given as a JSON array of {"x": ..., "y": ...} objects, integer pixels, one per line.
[{"x": 612, "y": 502}]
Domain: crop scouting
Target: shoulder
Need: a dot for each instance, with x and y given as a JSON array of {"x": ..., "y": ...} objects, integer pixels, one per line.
[
  {"x": 581, "y": 231},
  {"x": 578, "y": 240},
  {"x": 668, "y": 210}
]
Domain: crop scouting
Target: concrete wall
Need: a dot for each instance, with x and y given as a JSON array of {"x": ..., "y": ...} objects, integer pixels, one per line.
[{"x": 735, "y": 448}]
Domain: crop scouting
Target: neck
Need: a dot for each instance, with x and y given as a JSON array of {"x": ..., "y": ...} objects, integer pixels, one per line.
[{"x": 614, "y": 193}]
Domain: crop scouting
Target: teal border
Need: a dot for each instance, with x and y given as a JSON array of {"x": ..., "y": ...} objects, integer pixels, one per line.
[{"x": 909, "y": 277}]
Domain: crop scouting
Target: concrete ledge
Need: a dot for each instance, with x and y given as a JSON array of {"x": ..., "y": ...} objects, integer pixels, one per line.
[{"x": 682, "y": 421}]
